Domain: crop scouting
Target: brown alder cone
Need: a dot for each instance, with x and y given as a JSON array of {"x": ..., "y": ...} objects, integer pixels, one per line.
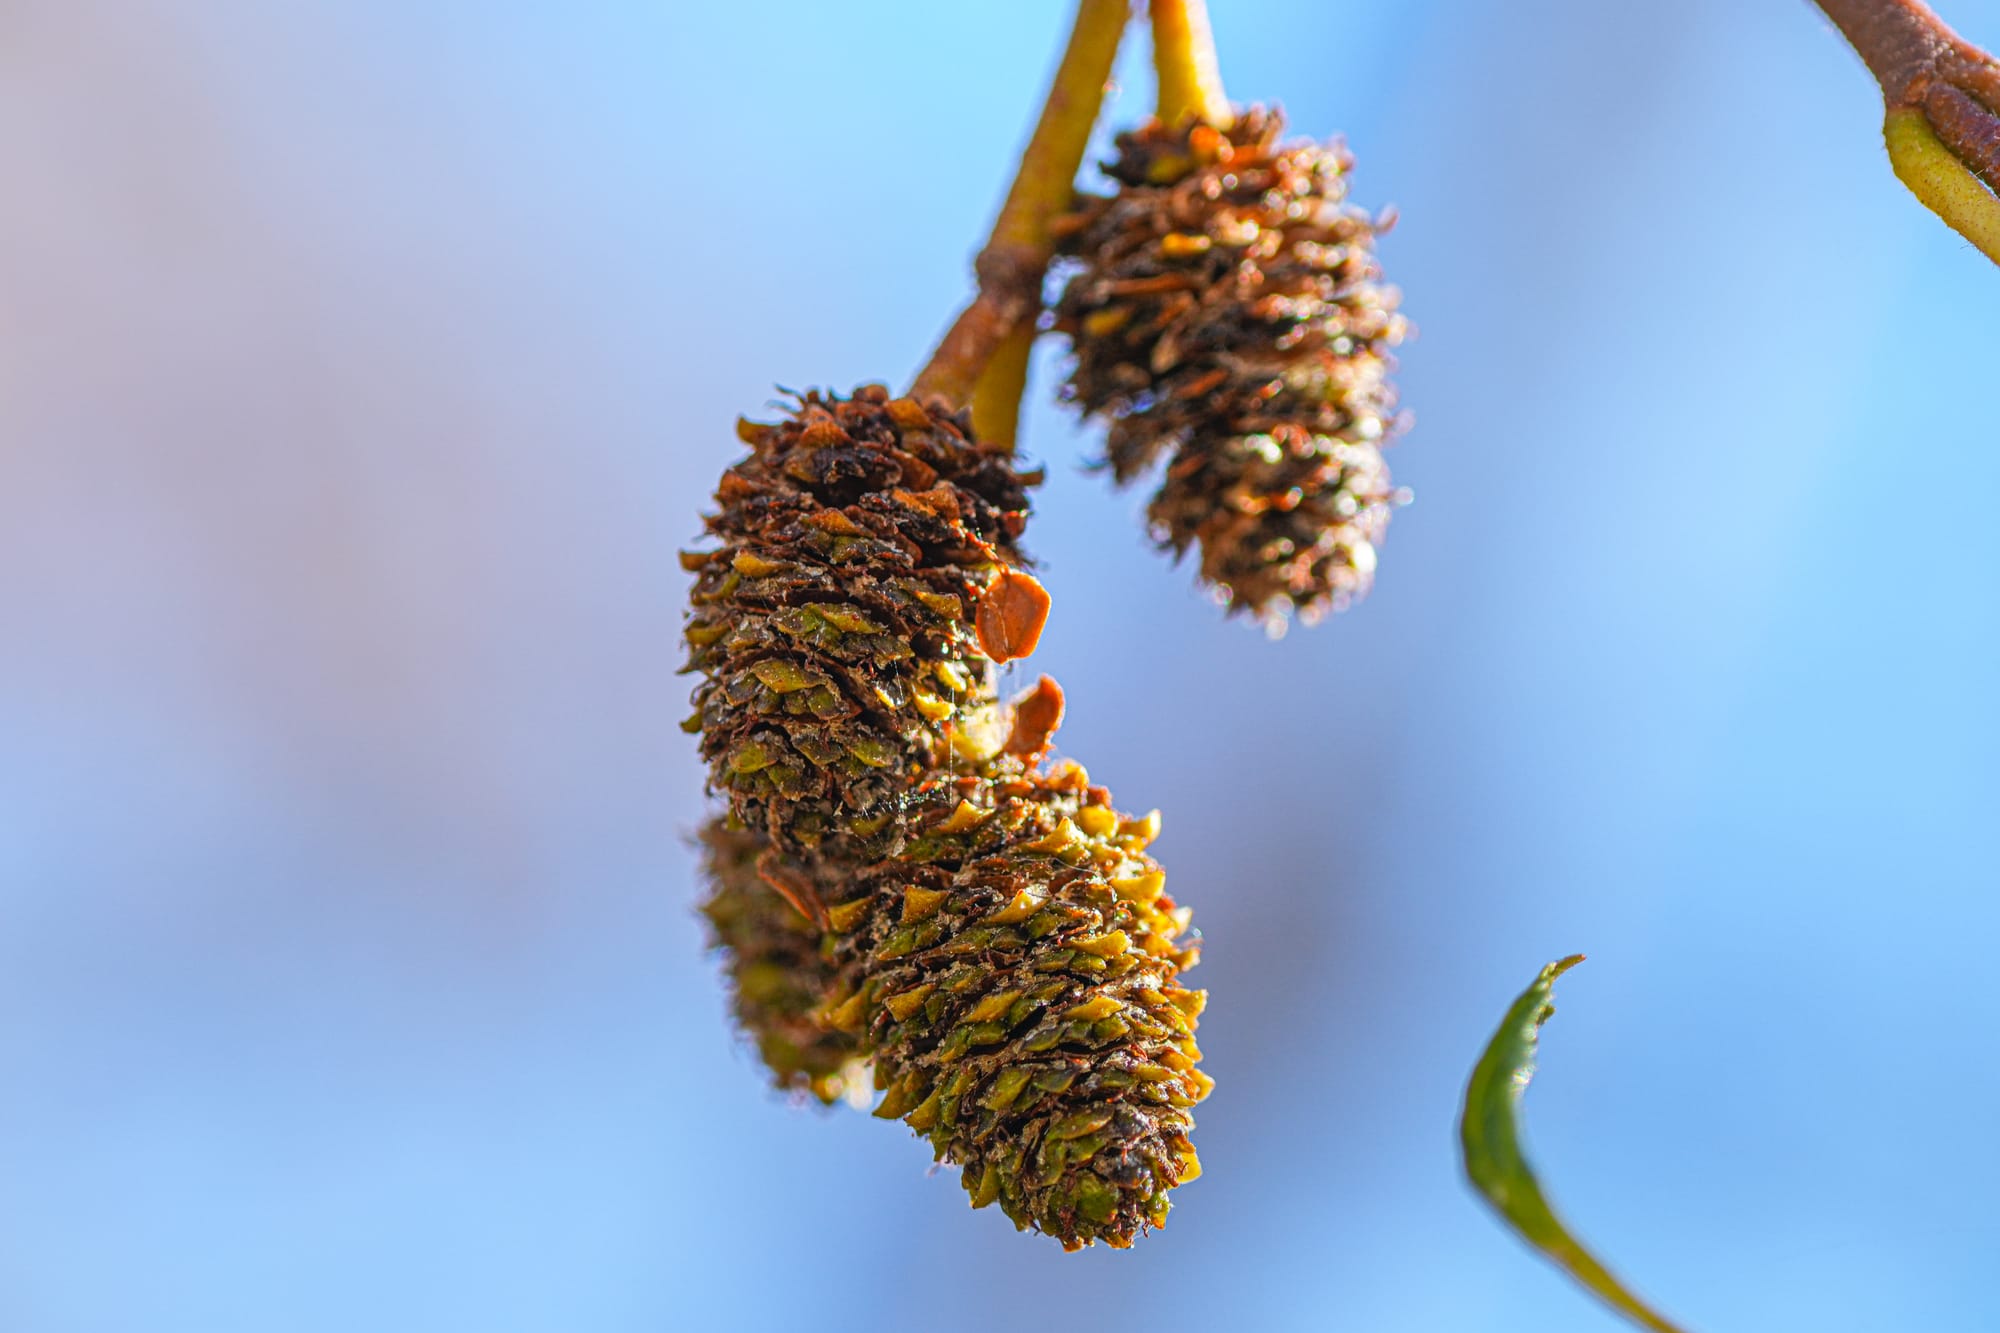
[
  {"x": 778, "y": 979},
  {"x": 1228, "y": 314},
  {"x": 833, "y": 625},
  {"x": 1013, "y": 974}
]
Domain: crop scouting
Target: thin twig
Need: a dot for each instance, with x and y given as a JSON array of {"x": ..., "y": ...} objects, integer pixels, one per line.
[
  {"x": 1011, "y": 267},
  {"x": 1943, "y": 109}
]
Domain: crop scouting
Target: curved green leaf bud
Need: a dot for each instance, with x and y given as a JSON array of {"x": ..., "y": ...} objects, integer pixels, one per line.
[{"x": 1490, "y": 1138}]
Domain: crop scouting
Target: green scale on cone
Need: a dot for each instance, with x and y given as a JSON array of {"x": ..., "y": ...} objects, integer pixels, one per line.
[
  {"x": 833, "y": 624},
  {"x": 1227, "y": 314},
  {"x": 778, "y": 978},
  {"x": 1014, "y": 976}
]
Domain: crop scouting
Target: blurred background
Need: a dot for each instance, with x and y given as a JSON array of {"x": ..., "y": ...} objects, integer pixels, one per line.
[{"x": 363, "y": 366}]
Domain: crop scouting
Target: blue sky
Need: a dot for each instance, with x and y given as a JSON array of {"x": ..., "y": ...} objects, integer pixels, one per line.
[{"x": 366, "y": 364}]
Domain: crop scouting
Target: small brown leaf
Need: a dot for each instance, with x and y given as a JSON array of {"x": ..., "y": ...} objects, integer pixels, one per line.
[
  {"x": 1011, "y": 614},
  {"x": 1037, "y": 714}
]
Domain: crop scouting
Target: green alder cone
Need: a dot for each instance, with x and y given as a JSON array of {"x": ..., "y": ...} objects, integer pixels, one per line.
[
  {"x": 1014, "y": 976},
  {"x": 778, "y": 978},
  {"x": 1227, "y": 314},
  {"x": 833, "y": 622}
]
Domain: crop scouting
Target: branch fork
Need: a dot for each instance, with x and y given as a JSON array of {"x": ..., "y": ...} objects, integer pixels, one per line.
[{"x": 1942, "y": 95}]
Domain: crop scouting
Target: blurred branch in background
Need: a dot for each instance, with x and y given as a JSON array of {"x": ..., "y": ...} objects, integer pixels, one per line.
[{"x": 1943, "y": 98}]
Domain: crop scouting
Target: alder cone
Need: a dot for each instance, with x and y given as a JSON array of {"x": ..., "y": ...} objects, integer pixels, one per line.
[
  {"x": 778, "y": 979},
  {"x": 1014, "y": 976},
  {"x": 1284, "y": 518},
  {"x": 833, "y": 625},
  {"x": 1227, "y": 313}
]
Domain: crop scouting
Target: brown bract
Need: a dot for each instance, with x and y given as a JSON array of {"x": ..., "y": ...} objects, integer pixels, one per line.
[
  {"x": 1014, "y": 976},
  {"x": 1227, "y": 314},
  {"x": 1012, "y": 613},
  {"x": 1036, "y": 715},
  {"x": 833, "y": 621}
]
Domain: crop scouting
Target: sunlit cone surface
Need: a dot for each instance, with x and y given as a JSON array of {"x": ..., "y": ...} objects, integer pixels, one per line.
[
  {"x": 1014, "y": 975},
  {"x": 833, "y": 625},
  {"x": 779, "y": 980},
  {"x": 1229, "y": 316}
]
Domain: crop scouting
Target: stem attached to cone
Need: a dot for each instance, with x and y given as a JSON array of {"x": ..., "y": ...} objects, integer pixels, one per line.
[
  {"x": 996, "y": 398},
  {"x": 1943, "y": 99},
  {"x": 1184, "y": 59},
  {"x": 1016, "y": 257}
]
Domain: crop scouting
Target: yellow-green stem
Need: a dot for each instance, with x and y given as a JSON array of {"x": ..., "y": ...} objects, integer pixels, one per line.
[
  {"x": 1184, "y": 59},
  {"x": 996, "y": 399},
  {"x": 1016, "y": 257},
  {"x": 1940, "y": 181}
]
